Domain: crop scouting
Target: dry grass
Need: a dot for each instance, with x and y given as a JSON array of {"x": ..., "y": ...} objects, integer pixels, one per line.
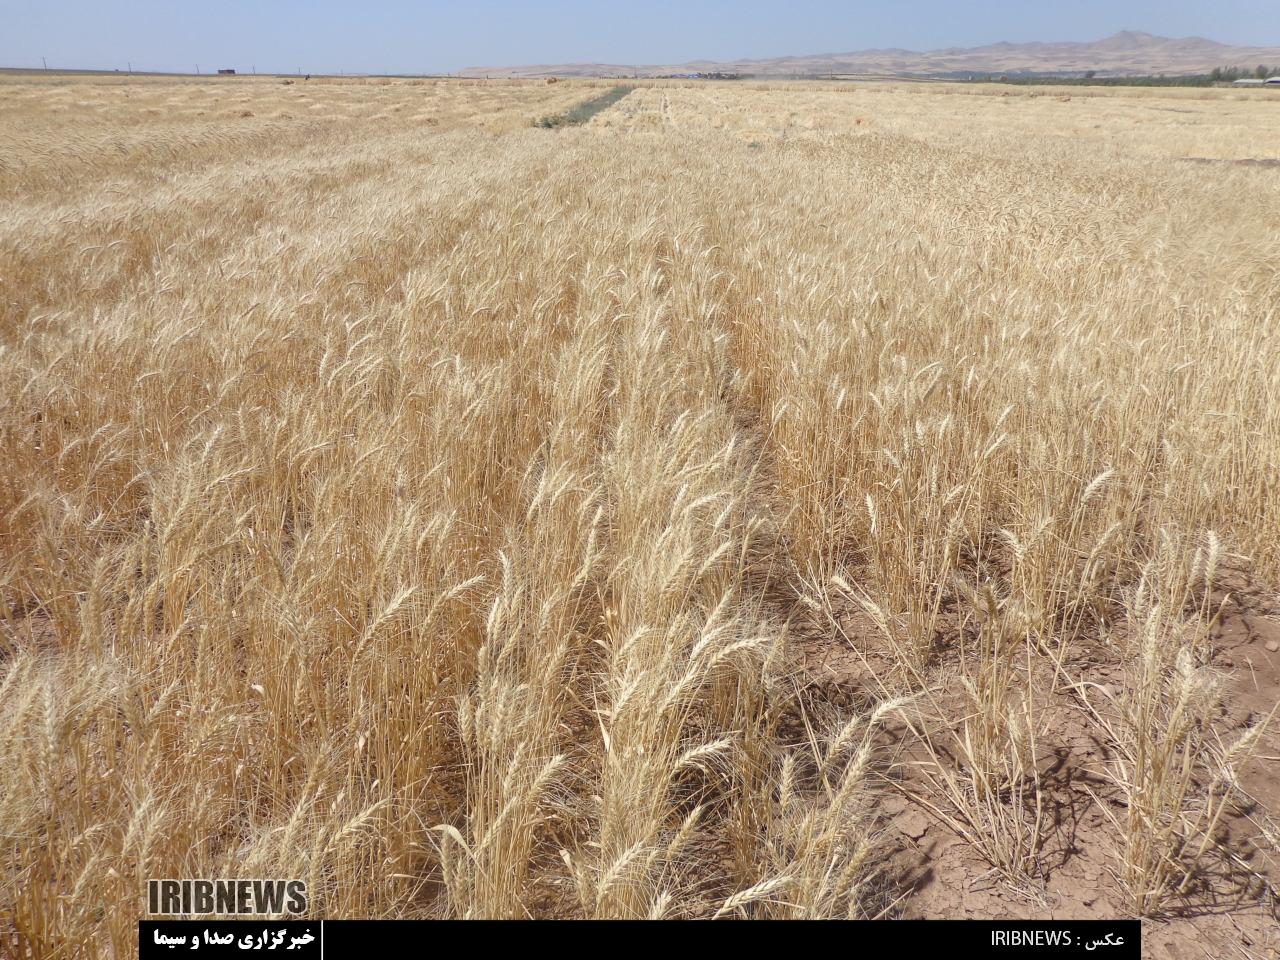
[
  {"x": 1112, "y": 123},
  {"x": 426, "y": 510}
]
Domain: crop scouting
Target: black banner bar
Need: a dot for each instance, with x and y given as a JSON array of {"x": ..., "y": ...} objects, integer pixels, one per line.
[{"x": 343, "y": 939}]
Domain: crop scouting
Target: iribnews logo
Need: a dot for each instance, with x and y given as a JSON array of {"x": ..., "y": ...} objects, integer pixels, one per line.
[{"x": 225, "y": 897}]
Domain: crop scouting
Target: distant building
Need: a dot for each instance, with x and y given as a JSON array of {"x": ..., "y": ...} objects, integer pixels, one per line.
[{"x": 226, "y": 73}]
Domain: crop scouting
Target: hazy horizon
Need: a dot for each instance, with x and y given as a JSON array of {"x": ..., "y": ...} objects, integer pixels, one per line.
[{"x": 329, "y": 36}]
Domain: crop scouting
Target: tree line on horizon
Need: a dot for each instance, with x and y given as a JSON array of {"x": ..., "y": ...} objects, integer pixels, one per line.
[{"x": 1231, "y": 74}]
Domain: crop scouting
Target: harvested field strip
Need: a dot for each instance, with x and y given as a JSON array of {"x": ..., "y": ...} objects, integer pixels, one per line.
[{"x": 586, "y": 110}]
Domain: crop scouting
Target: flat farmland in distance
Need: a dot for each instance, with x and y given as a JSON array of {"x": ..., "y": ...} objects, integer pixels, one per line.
[
  {"x": 1098, "y": 123},
  {"x": 758, "y": 500}
]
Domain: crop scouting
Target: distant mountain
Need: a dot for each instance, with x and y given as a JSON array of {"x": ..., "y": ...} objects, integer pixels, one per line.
[{"x": 1128, "y": 53}]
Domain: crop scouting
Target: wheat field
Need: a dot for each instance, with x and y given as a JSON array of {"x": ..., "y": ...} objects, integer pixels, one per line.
[{"x": 760, "y": 501}]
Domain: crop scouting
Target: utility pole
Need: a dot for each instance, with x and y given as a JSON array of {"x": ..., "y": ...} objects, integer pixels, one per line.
[
  {"x": 197, "y": 69},
  {"x": 45, "y": 62},
  {"x": 130, "y": 62}
]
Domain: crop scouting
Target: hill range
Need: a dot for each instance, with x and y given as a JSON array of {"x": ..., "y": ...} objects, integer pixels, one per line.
[{"x": 1128, "y": 53}]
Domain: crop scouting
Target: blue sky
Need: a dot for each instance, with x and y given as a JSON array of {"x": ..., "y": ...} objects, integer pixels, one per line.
[{"x": 401, "y": 36}]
